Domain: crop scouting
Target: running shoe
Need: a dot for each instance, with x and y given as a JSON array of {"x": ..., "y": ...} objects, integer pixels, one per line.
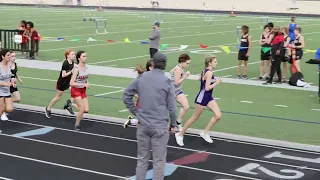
[
  {"x": 68, "y": 107},
  {"x": 128, "y": 122},
  {"x": 179, "y": 139},
  {"x": 48, "y": 112},
  {"x": 77, "y": 127},
  {"x": 4, "y": 116},
  {"x": 206, "y": 137}
]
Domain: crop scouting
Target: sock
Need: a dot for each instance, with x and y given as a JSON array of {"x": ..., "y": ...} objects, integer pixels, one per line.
[
  {"x": 178, "y": 121},
  {"x": 134, "y": 121}
]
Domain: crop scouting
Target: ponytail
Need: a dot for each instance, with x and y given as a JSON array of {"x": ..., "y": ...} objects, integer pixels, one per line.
[{"x": 140, "y": 70}]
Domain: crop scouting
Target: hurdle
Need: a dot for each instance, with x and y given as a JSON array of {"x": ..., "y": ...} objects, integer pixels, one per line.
[
  {"x": 158, "y": 17},
  {"x": 264, "y": 20},
  {"x": 105, "y": 26},
  {"x": 238, "y": 33}
]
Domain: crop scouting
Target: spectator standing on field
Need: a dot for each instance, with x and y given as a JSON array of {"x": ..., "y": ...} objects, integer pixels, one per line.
[
  {"x": 154, "y": 39},
  {"x": 156, "y": 101}
]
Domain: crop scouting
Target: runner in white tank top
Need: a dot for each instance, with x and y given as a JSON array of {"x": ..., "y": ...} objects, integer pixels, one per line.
[
  {"x": 6, "y": 81},
  {"x": 79, "y": 84},
  {"x": 178, "y": 75}
]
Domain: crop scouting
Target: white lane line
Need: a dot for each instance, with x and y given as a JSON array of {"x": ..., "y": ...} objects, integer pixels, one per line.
[
  {"x": 101, "y": 152},
  {"x": 60, "y": 165},
  {"x": 135, "y": 141},
  {"x": 279, "y": 105},
  {"x": 115, "y": 87},
  {"x": 103, "y": 121},
  {"x": 112, "y": 92},
  {"x": 124, "y": 110},
  {"x": 249, "y": 102},
  {"x": 169, "y": 52}
]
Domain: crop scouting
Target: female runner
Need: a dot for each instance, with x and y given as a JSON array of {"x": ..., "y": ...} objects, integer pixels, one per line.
[
  {"x": 204, "y": 99},
  {"x": 79, "y": 84},
  {"x": 13, "y": 89},
  {"x": 140, "y": 70},
  {"x": 63, "y": 82},
  {"x": 6, "y": 103},
  {"x": 178, "y": 75}
]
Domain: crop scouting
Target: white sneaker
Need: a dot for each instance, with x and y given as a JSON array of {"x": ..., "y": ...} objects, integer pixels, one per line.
[
  {"x": 4, "y": 117},
  {"x": 206, "y": 137},
  {"x": 179, "y": 127},
  {"x": 179, "y": 139}
]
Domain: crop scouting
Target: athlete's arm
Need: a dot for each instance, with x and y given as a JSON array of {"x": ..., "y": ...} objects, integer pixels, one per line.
[
  {"x": 260, "y": 41},
  {"x": 250, "y": 44},
  {"x": 302, "y": 42},
  {"x": 64, "y": 70},
  {"x": 73, "y": 78},
  {"x": 5, "y": 83},
  {"x": 286, "y": 44},
  {"x": 177, "y": 77}
]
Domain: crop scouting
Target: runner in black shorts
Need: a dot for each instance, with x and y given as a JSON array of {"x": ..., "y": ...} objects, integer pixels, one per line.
[
  {"x": 14, "y": 70},
  {"x": 63, "y": 82},
  {"x": 265, "y": 55},
  {"x": 287, "y": 40},
  {"x": 244, "y": 52},
  {"x": 298, "y": 44}
]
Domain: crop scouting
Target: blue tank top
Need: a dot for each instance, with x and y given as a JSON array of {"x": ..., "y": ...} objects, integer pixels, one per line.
[
  {"x": 292, "y": 27},
  {"x": 203, "y": 83}
]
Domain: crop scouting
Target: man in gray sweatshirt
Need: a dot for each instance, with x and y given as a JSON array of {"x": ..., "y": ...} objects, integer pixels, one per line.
[
  {"x": 156, "y": 102},
  {"x": 154, "y": 39}
]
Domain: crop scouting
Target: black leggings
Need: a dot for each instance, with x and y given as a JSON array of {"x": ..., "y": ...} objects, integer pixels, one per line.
[{"x": 275, "y": 67}]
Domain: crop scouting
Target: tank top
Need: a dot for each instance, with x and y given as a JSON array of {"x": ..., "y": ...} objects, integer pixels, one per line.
[
  {"x": 203, "y": 83},
  {"x": 14, "y": 71},
  {"x": 177, "y": 88},
  {"x": 292, "y": 27},
  {"x": 244, "y": 42},
  {"x": 297, "y": 43},
  {"x": 263, "y": 39},
  {"x": 5, "y": 77},
  {"x": 82, "y": 76}
]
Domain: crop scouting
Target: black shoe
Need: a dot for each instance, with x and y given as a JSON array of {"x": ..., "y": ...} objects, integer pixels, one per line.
[
  {"x": 77, "y": 127},
  {"x": 68, "y": 107},
  {"x": 260, "y": 78},
  {"x": 266, "y": 83},
  {"x": 245, "y": 77},
  {"x": 47, "y": 112}
]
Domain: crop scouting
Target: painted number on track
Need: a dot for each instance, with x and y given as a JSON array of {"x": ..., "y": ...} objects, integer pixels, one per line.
[{"x": 254, "y": 168}]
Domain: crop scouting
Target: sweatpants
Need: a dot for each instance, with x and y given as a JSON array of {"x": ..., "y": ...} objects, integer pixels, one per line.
[
  {"x": 152, "y": 51},
  {"x": 275, "y": 67},
  {"x": 155, "y": 139}
]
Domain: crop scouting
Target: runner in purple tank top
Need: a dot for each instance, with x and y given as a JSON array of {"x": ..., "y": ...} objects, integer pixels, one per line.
[{"x": 204, "y": 99}]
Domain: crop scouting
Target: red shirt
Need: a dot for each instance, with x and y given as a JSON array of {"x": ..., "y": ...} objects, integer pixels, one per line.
[{"x": 278, "y": 39}]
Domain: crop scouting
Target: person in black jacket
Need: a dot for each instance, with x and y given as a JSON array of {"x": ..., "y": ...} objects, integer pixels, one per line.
[{"x": 277, "y": 53}]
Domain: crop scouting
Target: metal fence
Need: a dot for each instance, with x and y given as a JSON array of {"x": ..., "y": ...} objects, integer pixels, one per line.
[{"x": 11, "y": 40}]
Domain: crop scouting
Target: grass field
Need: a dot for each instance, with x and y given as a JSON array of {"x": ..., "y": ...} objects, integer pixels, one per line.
[{"x": 247, "y": 110}]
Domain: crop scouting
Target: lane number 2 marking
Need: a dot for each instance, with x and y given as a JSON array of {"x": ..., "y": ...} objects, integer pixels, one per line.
[{"x": 249, "y": 168}]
